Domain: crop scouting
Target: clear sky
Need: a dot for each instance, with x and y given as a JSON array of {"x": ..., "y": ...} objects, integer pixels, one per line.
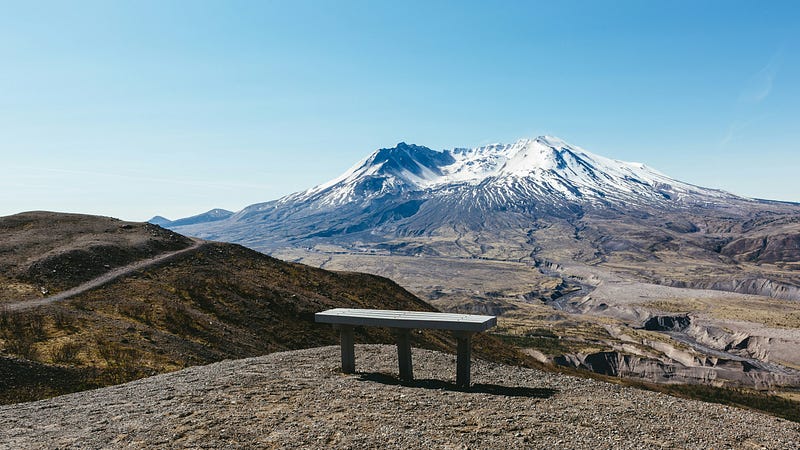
[{"x": 137, "y": 108}]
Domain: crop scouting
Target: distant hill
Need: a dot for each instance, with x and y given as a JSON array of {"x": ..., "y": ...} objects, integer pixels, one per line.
[
  {"x": 216, "y": 302},
  {"x": 206, "y": 217},
  {"x": 160, "y": 221}
]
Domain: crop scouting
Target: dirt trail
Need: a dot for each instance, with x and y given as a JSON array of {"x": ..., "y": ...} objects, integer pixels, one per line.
[{"x": 20, "y": 305}]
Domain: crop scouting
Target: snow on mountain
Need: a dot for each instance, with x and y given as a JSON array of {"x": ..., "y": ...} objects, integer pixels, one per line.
[
  {"x": 529, "y": 168},
  {"x": 388, "y": 170},
  {"x": 500, "y": 190}
]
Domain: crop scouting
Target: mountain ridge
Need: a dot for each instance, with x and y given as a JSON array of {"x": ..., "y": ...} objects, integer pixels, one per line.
[{"x": 208, "y": 216}]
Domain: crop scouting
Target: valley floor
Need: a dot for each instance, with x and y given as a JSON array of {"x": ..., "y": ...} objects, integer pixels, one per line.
[
  {"x": 734, "y": 340},
  {"x": 299, "y": 399}
]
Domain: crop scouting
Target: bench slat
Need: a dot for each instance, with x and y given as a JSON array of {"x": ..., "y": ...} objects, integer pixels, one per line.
[{"x": 406, "y": 319}]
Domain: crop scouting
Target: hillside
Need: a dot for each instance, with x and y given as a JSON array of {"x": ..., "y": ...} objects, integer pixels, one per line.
[
  {"x": 43, "y": 252},
  {"x": 298, "y": 399},
  {"x": 217, "y": 301}
]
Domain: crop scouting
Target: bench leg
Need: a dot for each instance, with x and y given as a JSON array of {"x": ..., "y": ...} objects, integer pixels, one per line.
[
  {"x": 404, "y": 353},
  {"x": 463, "y": 362},
  {"x": 348, "y": 349}
]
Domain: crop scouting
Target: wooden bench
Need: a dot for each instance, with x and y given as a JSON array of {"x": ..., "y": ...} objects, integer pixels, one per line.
[{"x": 463, "y": 327}]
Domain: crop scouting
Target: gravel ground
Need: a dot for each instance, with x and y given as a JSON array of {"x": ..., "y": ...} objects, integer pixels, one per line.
[{"x": 299, "y": 399}]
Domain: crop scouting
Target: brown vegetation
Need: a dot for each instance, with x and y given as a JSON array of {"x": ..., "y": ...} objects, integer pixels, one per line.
[{"x": 218, "y": 302}]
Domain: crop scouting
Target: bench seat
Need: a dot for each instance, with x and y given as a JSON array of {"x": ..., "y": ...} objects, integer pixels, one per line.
[
  {"x": 406, "y": 319},
  {"x": 463, "y": 327}
]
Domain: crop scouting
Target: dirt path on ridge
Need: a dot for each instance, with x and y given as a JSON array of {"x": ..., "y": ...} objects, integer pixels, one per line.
[{"x": 20, "y": 305}]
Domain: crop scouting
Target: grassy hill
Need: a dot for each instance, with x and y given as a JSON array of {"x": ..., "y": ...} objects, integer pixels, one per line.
[{"x": 218, "y": 301}]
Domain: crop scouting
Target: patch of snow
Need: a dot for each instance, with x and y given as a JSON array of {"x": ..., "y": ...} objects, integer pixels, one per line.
[{"x": 544, "y": 165}]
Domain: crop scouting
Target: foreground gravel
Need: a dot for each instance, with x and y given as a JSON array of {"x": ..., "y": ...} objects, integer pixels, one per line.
[{"x": 299, "y": 399}]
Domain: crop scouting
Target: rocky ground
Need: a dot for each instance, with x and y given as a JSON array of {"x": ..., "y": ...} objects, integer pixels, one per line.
[{"x": 299, "y": 399}]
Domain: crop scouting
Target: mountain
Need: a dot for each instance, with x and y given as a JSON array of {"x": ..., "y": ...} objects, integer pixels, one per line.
[
  {"x": 544, "y": 172},
  {"x": 172, "y": 303},
  {"x": 208, "y": 216},
  {"x": 413, "y": 200}
]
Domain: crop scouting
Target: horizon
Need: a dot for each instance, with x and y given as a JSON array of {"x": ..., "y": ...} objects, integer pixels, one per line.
[{"x": 139, "y": 109}]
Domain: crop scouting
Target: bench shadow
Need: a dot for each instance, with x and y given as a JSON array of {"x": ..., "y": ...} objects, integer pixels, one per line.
[{"x": 482, "y": 388}]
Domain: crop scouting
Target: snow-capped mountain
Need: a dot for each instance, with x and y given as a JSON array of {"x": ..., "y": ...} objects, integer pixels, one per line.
[
  {"x": 507, "y": 201},
  {"x": 504, "y": 174}
]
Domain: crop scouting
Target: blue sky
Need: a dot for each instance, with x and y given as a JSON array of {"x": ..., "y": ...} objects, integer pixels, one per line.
[{"x": 131, "y": 109}]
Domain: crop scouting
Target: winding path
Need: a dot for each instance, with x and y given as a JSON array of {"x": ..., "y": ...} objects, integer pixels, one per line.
[{"x": 20, "y": 305}]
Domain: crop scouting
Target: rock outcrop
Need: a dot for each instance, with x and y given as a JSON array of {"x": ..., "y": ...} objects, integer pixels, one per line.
[
  {"x": 701, "y": 370},
  {"x": 668, "y": 323}
]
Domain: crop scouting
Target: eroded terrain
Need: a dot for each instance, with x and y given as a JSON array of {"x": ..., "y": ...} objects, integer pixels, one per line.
[{"x": 591, "y": 317}]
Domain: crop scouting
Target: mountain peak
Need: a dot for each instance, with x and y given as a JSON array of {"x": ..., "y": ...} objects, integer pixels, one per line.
[
  {"x": 411, "y": 159},
  {"x": 552, "y": 141},
  {"x": 545, "y": 168}
]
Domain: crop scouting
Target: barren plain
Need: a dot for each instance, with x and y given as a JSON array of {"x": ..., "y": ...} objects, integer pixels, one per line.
[{"x": 591, "y": 317}]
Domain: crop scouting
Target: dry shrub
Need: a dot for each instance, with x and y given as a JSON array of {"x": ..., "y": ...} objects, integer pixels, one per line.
[
  {"x": 21, "y": 330},
  {"x": 62, "y": 320},
  {"x": 66, "y": 353},
  {"x": 178, "y": 318},
  {"x": 136, "y": 310},
  {"x": 123, "y": 363},
  {"x": 116, "y": 355},
  {"x": 21, "y": 345}
]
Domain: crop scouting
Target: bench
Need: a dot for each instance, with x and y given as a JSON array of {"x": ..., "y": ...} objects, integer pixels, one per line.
[{"x": 463, "y": 327}]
